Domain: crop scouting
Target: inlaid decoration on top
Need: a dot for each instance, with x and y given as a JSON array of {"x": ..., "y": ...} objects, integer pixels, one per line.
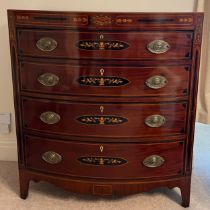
[
  {"x": 102, "y": 120},
  {"x": 102, "y": 45},
  {"x": 101, "y": 20}
]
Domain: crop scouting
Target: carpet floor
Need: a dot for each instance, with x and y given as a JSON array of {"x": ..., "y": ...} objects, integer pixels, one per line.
[{"x": 44, "y": 196}]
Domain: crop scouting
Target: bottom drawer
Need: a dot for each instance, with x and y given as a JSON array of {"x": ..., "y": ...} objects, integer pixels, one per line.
[{"x": 110, "y": 161}]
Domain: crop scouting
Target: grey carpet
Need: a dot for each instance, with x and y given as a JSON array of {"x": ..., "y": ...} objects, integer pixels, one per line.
[{"x": 44, "y": 196}]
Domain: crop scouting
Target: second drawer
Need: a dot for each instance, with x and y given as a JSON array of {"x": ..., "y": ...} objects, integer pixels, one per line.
[
  {"x": 105, "y": 81},
  {"x": 104, "y": 120}
]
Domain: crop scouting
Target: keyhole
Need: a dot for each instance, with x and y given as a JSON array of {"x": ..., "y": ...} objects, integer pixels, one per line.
[
  {"x": 102, "y": 72},
  {"x": 101, "y": 148},
  {"x": 102, "y": 109},
  {"x": 101, "y": 36}
]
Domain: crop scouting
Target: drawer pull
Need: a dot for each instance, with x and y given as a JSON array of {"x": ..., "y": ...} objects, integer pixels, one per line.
[
  {"x": 51, "y": 157},
  {"x": 48, "y": 79},
  {"x": 102, "y": 161},
  {"x": 155, "y": 121},
  {"x": 102, "y": 81},
  {"x": 101, "y": 45},
  {"x": 50, "y": 117},
  {"x": 153, "y": 161},
  {"x": 156, "y": 82},
  {"x": 46, "y": 44},
  {"x": 158, "y": 46},
  {"x": 102, "y": 120}
]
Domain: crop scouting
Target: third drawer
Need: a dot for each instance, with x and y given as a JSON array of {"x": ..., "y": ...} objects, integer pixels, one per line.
[{"x": 104, "y": 120}]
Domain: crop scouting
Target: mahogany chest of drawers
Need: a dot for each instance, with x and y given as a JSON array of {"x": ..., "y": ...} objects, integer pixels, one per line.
[{"x": 105, "y": 103}]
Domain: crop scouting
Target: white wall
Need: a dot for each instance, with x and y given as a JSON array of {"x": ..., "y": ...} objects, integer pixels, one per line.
[{"x": 8, "y": 141}]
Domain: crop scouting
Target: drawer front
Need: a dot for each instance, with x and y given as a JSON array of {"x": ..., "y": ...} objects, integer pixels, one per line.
[
  {"x": 104, "y": 120},
  {"x": 112, "y": 161},
  {"x": 108, "y": 45},
  {"x": 106, "y": 81}
]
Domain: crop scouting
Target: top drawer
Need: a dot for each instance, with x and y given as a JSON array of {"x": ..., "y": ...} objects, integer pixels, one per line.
[{"x": 109, "y": 45}]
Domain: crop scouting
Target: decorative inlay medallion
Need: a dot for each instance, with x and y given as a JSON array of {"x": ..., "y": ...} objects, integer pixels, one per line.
[
  {"x": 101, "y": 45},
  {"x": 102, "y": 81},
  {"x": 102, "y": 120},
  {"x": 101, "y": 20},
  {"x": 102, "y": 161}
]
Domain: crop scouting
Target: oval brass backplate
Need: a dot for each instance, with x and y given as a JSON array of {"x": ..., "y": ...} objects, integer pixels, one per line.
[
  {"x": 158, "y": 46},
  {"x": 156, "y": 82},
  {"x": 153, "y": 161},
  {"x": 51, "y": 157},
  {"x": 155, "y": 121},
  {"x": 48, "y": 79},
  {"x": 50, "y": 117},
  {"x": 46, "y": 44}
]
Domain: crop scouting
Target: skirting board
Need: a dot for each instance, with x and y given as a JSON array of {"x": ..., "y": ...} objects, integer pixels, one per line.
[{"x": 8, "y": 150}]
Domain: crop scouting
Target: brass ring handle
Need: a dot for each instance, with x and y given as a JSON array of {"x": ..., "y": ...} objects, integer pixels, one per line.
[
  {"x": 52, "y": 157},
  {"x": 155, "y": 121},
  {"x": 153, "y": 161},
  {"x": 158, "y": 46},
  {"x": 46, "y": 44},
  {"x": 50, "y": 117},
  {"x": 48, "y": 79},
  {"x": 156, "y": 82}
]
